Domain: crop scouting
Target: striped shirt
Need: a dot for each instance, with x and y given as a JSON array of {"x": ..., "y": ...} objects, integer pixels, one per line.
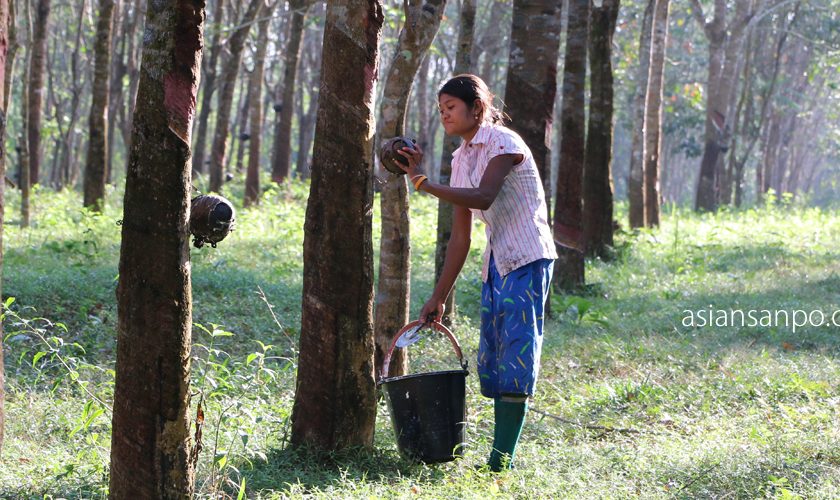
[{"x": 517, "y": 221}]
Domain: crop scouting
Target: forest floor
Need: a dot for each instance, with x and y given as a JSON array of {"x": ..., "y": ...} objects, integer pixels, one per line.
[{"x": 633, "y": 401}]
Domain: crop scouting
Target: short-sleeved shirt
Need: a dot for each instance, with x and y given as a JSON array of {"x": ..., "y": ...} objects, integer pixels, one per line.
[{"x": 517, "y": 222}]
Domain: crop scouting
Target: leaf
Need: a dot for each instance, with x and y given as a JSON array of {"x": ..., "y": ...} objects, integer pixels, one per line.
[
  {"x": 221, "y": 460},
  {"x": 38, "y": 355},
  {"x": 251, "y": 357},
  {"x": 9, "y": 302},
  {"x": 221, "y": 333},
  {"x": 241, "y": 494}
]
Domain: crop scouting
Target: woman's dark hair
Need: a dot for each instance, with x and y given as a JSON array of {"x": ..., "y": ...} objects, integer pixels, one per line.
[{"x": 468, "y": 88}]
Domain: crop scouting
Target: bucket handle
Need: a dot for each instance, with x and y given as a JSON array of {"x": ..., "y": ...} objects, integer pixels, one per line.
[{"x": 437, "y": 326}]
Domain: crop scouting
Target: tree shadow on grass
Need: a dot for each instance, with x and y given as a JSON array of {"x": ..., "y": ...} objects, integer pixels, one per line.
[{"x": 305, "y": 470}]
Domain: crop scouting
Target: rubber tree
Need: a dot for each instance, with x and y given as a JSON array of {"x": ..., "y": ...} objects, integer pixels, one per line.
[
  {"x": 282, "y": 152},
  {"x": 653, "y": 112},
  {"x": 725, "y": 44},
  {"x": 230, "y": 69},
  {"x": 422, "y": 20},
  {"x": 150, "y": 442},
  {"x": 97, "y": 154},
  {"x": 208, "y": 87},
  {"x": 25, "y": 170},
  {"x": 568, "y": 213},
  {"x": 252, "y": 177},
  {"x": 6, "y": 21},
  {"x": 464, "y": 63},
  {"x": 335, "y": 395},
  {"x": 38, "y": 67},
  {"x": 636, "y": 177},
  {"x": 597, "y": 175},
  {"x": 532, "y": 77}
]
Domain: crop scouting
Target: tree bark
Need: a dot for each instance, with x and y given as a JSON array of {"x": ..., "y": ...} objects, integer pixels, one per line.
[
  {"x": 252, "y": 178},
  {"x": 38, "y": 63},
  {"x": 118, "y": 71},
  {"x": 208, "y": 82},
  {"x": 422, "y": 20},
  {"x": 230, "y": 70},
  {"x": 335, "y": 397},
  {"x": 133, "y": 73},
  {"x": 240, "y": 137},
  {"x": 653, "y": 112},
  {"x": 97, "y": 156},
  {"x": 282, "y": 153},
  {"x": 13, "y": 46},
  {"x": 150, "y": 443},
  {"x": 6, "y": 25},
  {"x": 597, "y": 176},
  {"x": 636, "y": 179},
  {"x": 532, "y": 78},
  {"x": 307, "y": 131},
  {"x": 25, "y": 169},
  {"x": 568, "y": 214},
  {"x": 464, "y": 63}
]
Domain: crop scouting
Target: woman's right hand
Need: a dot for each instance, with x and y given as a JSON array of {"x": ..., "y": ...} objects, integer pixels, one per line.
[{"x": 432, "y": 310}]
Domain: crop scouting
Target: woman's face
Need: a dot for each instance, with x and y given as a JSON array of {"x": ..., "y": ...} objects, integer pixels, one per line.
[{"x": 456, "y": 117}]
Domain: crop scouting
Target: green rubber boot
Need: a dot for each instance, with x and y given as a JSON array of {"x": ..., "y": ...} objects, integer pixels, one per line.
[{"x": 510, "y": 418}]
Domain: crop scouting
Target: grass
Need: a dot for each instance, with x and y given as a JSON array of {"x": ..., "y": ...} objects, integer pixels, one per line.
[{"x": 632, "y": 401}]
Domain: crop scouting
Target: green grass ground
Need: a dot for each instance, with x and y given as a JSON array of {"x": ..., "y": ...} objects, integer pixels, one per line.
[{"x": 631, "y": 403}]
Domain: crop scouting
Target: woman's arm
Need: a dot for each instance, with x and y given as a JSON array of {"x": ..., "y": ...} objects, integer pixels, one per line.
[
  {"x": 456, "y": 255},
  {"x": 483, "y": 196},
  {"x": 479, "y": 198}
]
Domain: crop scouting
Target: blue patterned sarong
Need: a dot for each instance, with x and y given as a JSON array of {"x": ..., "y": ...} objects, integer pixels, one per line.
[{"x": 512, "y": 328}]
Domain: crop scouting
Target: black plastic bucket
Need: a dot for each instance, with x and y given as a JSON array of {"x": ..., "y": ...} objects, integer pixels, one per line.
[{"x": 428, "y": 410}]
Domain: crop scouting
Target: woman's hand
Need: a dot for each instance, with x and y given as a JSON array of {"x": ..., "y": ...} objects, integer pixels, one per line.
[
  {"x": 415, "y": 159},
  {"x": 432, "y": 310}
]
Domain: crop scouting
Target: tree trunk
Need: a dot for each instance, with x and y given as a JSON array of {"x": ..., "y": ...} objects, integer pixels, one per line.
[
  {"x": 653, "y": 112},
  {"x": 724, "y": 52},
  {"x": 150, "y": 443},
  {"x": 532, "y": 77},
  {"x": 208, "y": 82},
  {"x": 7, "y": 21},
  {"x": 307, "y": 130},
  {"x": 118, "y": 71},
  {"x": 312, "y": 64},
  {"x": 97, "y": 157},
  {"x": 25, "y": 170},
  {"x": 463, "y": 64},
  {"x": 636, "y": 179},
  {"x": 240, "y": 137},
  {"x": 252, "y": 178},
  {"x": 282, "y": 153},
  {"x": 65, "y": 151},
  {"x": 230, "y": 70},
  {"x": 13, "y": 47},
  {"x": 422, "y": 20},
  {"x": 568, "y": 214},
  {"x": 36, "y": 86},
  {"x": 133, "y": 74},
  {"x": 335, "y": 397},
  {"x": 597, "y": 178}
]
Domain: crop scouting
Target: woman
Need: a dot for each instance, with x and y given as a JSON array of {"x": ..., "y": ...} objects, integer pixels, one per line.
[{"x": 494, "y": 177}]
